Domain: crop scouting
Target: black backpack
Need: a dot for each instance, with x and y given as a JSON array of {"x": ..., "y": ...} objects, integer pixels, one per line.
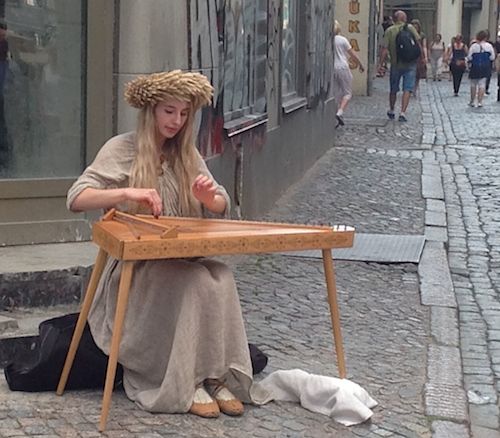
[
  {"x": 407, "y": 47},
  {"x": 43, "y": 370}
]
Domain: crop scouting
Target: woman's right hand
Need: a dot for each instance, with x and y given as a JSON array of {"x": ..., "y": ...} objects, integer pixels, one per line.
[{"x": 148, "y": 197}]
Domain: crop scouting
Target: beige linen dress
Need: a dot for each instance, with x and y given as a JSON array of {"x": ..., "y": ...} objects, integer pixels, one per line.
[{"x": 183, "y": 321}]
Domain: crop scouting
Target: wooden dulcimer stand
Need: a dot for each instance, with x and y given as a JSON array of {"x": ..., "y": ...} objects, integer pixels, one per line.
[{"x": 139, "y": 237}]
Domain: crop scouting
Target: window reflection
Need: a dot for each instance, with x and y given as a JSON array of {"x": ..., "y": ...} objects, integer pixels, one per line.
[
  {"x": 289, "y": 69},
  {"x": 244, "y": 36},
  {"x": 41, "y": 97}
]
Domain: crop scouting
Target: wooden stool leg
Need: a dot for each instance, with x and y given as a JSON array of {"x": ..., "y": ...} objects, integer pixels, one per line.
[
  {"x": 82, "y": 319},
  {"x": 121, "y": 308},
  {"x": 334, "y": 310}
]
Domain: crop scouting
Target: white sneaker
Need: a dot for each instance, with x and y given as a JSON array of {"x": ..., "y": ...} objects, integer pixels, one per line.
[{"x": 479, "y": 105}]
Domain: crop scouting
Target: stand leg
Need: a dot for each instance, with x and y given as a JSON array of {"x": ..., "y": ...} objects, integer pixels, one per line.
[
  {"x": 121, "y": 308},
  {"x": 334, "y": 310},
  {"x": 82, "y": 319}
]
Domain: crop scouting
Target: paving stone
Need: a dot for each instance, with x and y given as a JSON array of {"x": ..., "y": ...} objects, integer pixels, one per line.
[
  {"x": 444, "y": 366},
  {"x": 432, "y": 187},
  {"x": 483, "y": 432},
  {"x": 447, "y": 429},
  {"x": 484, "y": 415},
  {"x": 435, "y": 280},
  {"x": 445, "y": 401},
  {"x": 437, "y": 234},
  {"x": 444, "y": 325}
]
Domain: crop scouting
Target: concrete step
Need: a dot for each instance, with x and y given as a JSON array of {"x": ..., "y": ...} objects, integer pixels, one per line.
[
  {"x": 19, "y": 329},
  {"x": 44, "y": 275}
]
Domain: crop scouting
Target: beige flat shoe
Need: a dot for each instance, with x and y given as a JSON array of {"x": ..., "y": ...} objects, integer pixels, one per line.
[
  {"x": 204, "y": 405},
  {"x": 227, "y": 401}
]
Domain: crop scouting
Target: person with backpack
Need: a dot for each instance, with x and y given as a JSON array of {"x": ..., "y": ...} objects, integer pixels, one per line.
[
  {"x": 480, "y": 57},
  {"x": 401, "y": 43}
]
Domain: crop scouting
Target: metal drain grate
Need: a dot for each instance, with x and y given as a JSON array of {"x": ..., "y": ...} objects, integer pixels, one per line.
[{"x": 382, "y": 248}]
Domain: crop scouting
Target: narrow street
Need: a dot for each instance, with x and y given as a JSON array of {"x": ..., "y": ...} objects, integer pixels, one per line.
[{"x": 423, "y": 339}]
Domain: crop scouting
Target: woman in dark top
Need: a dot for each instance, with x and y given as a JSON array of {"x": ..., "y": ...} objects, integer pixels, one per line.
[{"x": 457, "y": 53}]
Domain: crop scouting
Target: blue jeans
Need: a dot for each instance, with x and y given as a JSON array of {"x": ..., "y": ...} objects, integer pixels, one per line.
[{"x": 409, "y": 75}]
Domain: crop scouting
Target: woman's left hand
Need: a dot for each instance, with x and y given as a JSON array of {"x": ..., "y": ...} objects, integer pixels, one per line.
[{"x": 204, "y": 189}]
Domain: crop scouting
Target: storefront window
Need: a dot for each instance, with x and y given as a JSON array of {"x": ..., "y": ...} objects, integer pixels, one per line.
[
  {"x": 289, "y": 71},
  {"x": 41, "y": 99},
  {"x": 244, "y": 36}
]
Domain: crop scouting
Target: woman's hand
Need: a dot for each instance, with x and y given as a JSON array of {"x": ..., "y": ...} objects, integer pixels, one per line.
[
  {"x": 204, "y": 189},
  {"x": 93, "y": 199},
  {"x": 149, "y": 197}
]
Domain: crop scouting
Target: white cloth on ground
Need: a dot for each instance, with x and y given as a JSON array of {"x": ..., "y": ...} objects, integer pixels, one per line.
[{"x": 343, "y": 400}]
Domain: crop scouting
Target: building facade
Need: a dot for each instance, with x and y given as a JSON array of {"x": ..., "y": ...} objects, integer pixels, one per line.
[
  {"x": 450, "y": 17},
  {"x": 270, "y": 62},
  {"x": 358, "y": 20}
]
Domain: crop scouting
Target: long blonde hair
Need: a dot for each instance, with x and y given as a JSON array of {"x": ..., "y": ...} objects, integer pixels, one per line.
[{"x": 179, "y": 151}]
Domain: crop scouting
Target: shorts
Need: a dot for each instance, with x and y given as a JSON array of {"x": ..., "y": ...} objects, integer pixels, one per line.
[
  {"x": 342, "y": 84},
  {"x": 409, "y": 75},
  {"x": 480, "y": 83}
]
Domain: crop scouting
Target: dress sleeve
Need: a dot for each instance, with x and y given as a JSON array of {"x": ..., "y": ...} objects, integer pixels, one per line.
[
  {"x": 110, "y": 168},
  {"x": 203, "y": 169}
]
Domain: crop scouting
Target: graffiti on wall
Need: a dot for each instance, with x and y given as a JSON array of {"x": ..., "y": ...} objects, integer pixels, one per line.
[
  {"x": 320, "y": 64},
  {"x": 227, "y": 42},
  {"x": 273, "y": 55},
  {"x": 289, "y": 60}
]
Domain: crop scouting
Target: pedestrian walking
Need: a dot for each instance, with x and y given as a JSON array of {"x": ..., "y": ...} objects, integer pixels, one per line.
[
  {"x": 481, "y": 55},
  {"x": 447, "y": 59},
  {"x": 488, "y": 79},
  {"x": 497, "y": 65},
  {"x": 342, "y": 76},
  {"x": 457, "y": 57},
  {"x": 436, "y": 55},
  {"x": 401, "y": 43},
  {"x": 184, "y": 345},
  {"x": 423, "y": 58},
  {"x": 382, "y": 27}
]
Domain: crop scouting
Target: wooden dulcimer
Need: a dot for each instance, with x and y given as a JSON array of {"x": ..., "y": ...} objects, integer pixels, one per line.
[{"x": 142, "y": 237}]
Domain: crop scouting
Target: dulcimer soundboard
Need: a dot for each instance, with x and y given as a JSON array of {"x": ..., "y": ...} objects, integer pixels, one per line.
[{"x": 143, "y": 237}]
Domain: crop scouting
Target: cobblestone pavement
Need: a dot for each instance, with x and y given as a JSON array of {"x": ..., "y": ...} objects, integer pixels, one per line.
[
  {"x": 378, "y": 177},
  {"x": 468, "y": 150}
]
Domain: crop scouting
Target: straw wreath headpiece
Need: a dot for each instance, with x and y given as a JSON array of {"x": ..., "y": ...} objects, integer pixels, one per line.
[{"x": 176, "y": 84}]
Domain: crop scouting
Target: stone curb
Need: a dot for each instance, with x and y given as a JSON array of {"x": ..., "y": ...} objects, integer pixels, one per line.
[{"x": 444, "y": 395}]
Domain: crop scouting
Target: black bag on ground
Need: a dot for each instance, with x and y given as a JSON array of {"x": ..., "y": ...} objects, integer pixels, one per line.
[
  {"x": 407, "y": 47},
  {"x": 42, "y": 373},
  {"x": 259, "y": 359}
]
